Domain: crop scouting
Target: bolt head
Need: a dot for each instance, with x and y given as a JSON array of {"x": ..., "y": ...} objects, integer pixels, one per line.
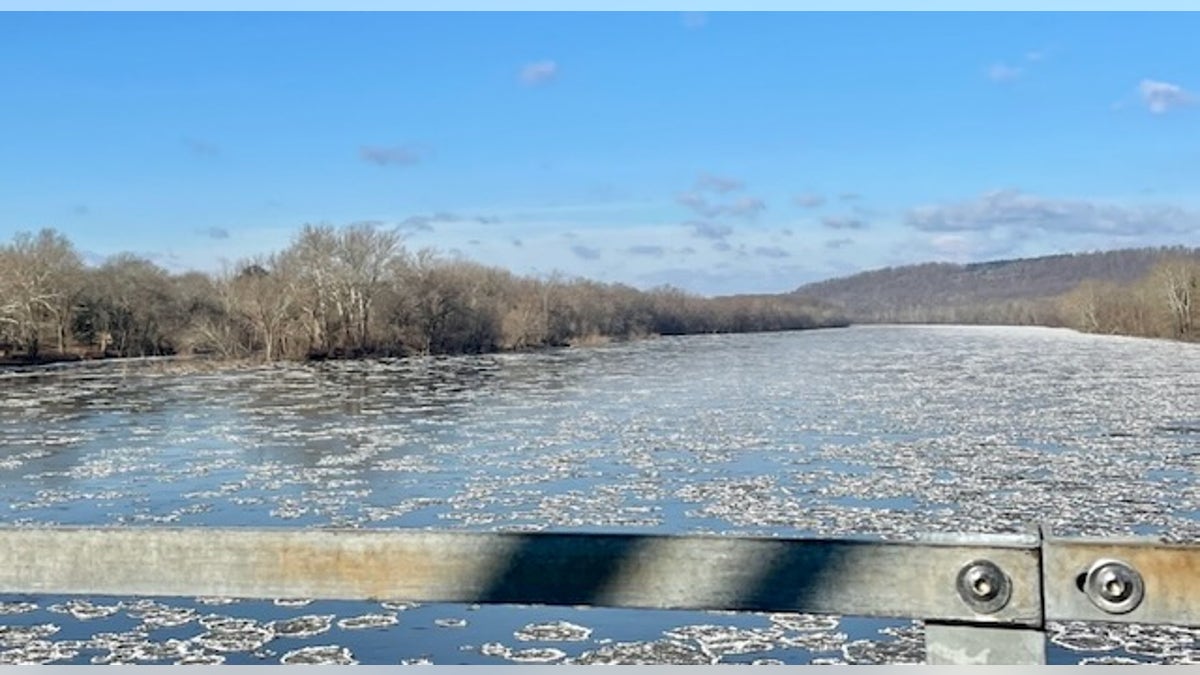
[
  {"x": 1113, "y": 586},
  {"x": 982, "y": 582},
  {"x": 984, "y": 586}
]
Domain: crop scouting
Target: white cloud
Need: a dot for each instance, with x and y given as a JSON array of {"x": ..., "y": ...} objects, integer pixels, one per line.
[
  {"x": 1002, "y": 72},
  {"x": 743, "y": 207},
  {"x": 1026, "y": 213},
  {"x": 538, "y": 73},
  {"x": 808, "y": 200},
  {"x": 746, "y": 207},
  {"x": 1160, "y": 97}
]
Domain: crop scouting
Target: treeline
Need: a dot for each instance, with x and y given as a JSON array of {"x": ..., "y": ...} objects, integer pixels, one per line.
[
  {"x": 1163, "y": 303},
  {"x": 1147, "y": 292},
  {"x": 339, "y": 293},
  {"x": 891, "y": 293}
]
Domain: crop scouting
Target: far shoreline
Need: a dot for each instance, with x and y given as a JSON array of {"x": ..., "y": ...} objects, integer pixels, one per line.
[
  {"x": 209, "y": 363},
  {"x": 55, "y": 362}
]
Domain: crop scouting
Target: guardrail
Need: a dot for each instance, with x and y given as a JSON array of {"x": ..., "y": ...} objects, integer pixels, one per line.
[{"x": 985, "y": 599}]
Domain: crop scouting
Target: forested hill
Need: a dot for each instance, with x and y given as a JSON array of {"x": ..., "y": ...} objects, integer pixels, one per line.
[{"x": 997, "y": 291}]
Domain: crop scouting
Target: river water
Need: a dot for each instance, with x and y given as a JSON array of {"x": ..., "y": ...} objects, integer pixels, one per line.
[{"x": 883, "y": 430}]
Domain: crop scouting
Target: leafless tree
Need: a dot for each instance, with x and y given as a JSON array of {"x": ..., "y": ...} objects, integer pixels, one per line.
[{"x": 40, "y": 284}]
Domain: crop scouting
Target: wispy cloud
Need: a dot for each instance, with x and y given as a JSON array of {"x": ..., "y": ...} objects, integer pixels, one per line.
[
  {"x": 808, "y": 200},
  {"x": 698, "y": 203},
  {"x": 397, "y": 155},
  {"x": 425, "y": 222},
  {"x": 744, "y": 207},
  {"x": 844, "y": 223},
  {"x": 417, "y": 224},
  {"x": 81, "y": 209},
  {"x": 1160, "y": 97},
  {"x": 586, "y": 252},
  {"x": 1002, "y": 72},
  {"x": 168, "y": 259},
  {"x": 960, "y": 247},
  {"x": 719, "y": 184},
  {"x": 771, "y": 252},
  {"x": 708, "y": 230},
  {"x": 538, "y": 73},
  {"x": 1006, "y": 71},
  {"x": 1016, "y": 210},
  {"x": 214, "y": 232},
  {"x": 838, "y": 243},
  {"x": 646, "y": 250}
]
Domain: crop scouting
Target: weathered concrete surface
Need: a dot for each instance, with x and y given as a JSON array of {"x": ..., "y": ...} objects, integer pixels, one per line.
[{"x": 981, "y": 646}]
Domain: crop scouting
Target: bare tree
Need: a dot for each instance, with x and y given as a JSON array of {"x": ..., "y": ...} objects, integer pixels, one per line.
[
  {"x": 366, "y": 253},
  {"x": 1177, "y": 280},
  {"x": 264, "y": 298},
  {"x": 342, "y": 292},
  {"x": 42, "y": 282},
  {"x": 129, "y": 306}
]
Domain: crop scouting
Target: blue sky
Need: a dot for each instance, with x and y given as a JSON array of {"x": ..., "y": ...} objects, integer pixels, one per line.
[{"x": 721, "y": 152}]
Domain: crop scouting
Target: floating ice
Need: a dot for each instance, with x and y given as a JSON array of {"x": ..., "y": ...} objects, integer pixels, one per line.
[
  {"x": 553, "y": 631},
  {"x": 16, "y": 636},
  {"x": 322, "y": 655},
  {"x": 536, "y": 655},
  {"x": 645, "y": 653},
  {"x": 302, "y": 626},
  {"x": 367, "y": 621}
]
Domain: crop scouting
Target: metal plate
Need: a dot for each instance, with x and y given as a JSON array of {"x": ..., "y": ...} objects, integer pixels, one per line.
[
  {"x": 837, "y": 576},
  {"x": 1170, "y": 576}
]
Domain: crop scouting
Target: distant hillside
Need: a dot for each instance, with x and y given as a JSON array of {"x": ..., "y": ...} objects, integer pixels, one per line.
[{"x": 953, "y": 292}]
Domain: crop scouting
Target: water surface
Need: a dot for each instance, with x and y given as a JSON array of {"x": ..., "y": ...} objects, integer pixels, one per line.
[{"x": 884, "y": 431}]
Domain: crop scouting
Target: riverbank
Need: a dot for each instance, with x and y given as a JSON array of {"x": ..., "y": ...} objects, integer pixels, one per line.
[{"x": 216, "y": 363}]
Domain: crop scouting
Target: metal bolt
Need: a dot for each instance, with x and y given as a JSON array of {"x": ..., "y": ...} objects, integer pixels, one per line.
[
  {"x": 984, "y": 586},
  {"x": 1114, "y": 586}
]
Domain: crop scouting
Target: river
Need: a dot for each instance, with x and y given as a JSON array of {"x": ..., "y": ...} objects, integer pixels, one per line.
[{"x": 878, "y": 430}]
